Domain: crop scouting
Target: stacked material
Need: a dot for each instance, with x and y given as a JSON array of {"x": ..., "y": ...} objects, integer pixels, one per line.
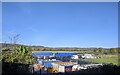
[
  {"x": 65, "y": 63},
  {"x": 76, "y": 67},
  {"x": 38, "y": 66},
  {"x": 40, "y": 62},
  {"x": 63, "y": 66},
  {"x": 52, "y": 70},
  {"x": 47, "y": 64}
]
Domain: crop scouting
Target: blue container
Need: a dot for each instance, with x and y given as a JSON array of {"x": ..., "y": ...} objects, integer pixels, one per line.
[
  {"x": 47, "y": 64},
  {"x": 37, "y": 54},
  {"x": 40, "y": 62},
  {"x": 64, "y": 54}
]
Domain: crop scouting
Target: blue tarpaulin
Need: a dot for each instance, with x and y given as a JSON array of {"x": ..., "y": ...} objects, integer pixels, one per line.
[
  {"x": 64, "y": 54},
  {"x": 48, "y": 64},
  {"x": 36, "y": 54}
]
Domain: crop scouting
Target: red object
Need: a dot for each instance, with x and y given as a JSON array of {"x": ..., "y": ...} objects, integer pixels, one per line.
[{"x": 68, "y": 69}]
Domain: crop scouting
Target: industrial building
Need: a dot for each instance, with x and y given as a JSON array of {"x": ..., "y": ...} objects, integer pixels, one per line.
[{"x": 88, "y": 56}]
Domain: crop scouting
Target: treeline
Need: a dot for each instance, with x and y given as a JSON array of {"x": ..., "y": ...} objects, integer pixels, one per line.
[
  {"x": 109, "y": 51},
  {"x": 9, "y": 47}
]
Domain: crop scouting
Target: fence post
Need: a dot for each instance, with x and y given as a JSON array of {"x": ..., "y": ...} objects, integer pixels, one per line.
[
  {"x": 40, "y": 71},
  {"x": 33, "y": 71}
]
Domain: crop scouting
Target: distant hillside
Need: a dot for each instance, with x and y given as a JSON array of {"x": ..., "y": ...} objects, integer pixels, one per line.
[
  {"x": 6, "y": 47},
  {"x": 12, "y": 46}
]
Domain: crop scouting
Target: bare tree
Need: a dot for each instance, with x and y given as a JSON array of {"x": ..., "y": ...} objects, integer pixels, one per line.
[
  {"x": 10, "y": 39},
  {"x": 15, "y": 38}
]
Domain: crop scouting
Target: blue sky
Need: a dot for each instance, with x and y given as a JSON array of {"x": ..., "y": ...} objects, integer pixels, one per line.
[{"x": 81, "y": 24}]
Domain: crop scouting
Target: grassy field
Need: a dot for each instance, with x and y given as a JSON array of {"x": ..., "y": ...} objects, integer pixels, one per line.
[{"x": 107, "y": 59}]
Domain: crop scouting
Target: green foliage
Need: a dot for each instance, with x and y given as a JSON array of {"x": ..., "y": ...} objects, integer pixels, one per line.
[
  {"x": 107, "y": 59},
  {"x": 5, "y": 48},
  {"x": 113, "y": 50},
  {"x": 100, "y": 50},
  {"x": 19, "y": 55}
]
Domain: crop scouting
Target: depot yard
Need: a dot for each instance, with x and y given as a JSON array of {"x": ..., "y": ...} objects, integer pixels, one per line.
[
  {"x": 54, "y": 62},
  {"x": 83, "y": 62},
  {"x": 105, "y": 59}
]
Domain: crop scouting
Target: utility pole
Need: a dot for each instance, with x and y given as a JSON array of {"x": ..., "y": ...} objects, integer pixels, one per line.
[
  {"x": 5, "y": 44},
  {"x": 10, "y": 39}
]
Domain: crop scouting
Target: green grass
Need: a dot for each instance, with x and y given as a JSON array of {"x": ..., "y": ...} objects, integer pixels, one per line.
[
  {"x": 107, "y": 59},
  {"x": 84, "y": 52}
]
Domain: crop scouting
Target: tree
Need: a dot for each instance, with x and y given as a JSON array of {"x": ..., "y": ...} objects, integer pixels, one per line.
[
  {"x": 100, "y": 50},
  {"x": 14, "y": 38},
  {"x": 113, "y": 50},
  {"x": 19, "y": 55},
  {"x": 95, "y": 51}
]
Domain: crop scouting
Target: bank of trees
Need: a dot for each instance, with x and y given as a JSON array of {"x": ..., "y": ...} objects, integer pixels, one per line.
[
  {"x": 113, "y": 51},
  {"x": 104, "y": 51}
]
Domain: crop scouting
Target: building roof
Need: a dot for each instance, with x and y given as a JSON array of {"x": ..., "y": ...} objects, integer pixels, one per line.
[
  {"x": 48, "y": 64},
  {"x": 65, "y": 63},
  {"x": 64, "y": 54},
  {"x": 37, "y": 54},
  {"x": 38, "y": 66}
]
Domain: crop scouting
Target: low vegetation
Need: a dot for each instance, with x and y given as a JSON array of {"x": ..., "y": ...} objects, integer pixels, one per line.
[
  {"x": 105, "y": 59},
  {"x": 18, "y": 55}
]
